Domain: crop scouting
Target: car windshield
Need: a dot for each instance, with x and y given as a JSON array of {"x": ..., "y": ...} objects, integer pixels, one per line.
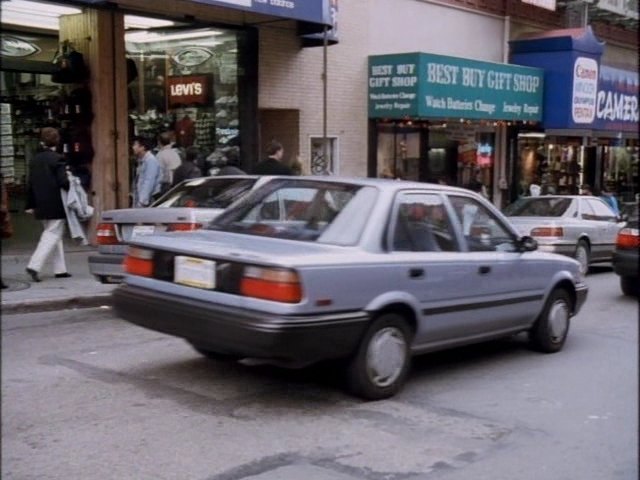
[
  {"x": 298, "y": 209},
  {"x": 538, "y": 207},
  {"x": 212, "y": 192}
]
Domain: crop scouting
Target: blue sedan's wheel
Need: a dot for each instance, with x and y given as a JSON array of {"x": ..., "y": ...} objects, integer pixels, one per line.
[
  {"x": 380, "y": 366},
  {"x": 582, "y": 256},
  {"x": 550, "y": 331}
]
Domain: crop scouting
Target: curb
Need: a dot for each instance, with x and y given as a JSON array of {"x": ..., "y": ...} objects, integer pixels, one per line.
[{"x": 34, "y": 306}]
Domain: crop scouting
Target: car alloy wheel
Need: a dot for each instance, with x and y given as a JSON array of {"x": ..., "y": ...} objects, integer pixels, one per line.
[
  {"x": 380, "y": 365},
  {"x": 582, "y": 256},
  {"x": 550, "y": 331}
]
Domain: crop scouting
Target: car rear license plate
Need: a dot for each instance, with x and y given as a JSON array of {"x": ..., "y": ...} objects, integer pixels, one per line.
[
  {"x": 142, "y": 230},
  {"x": 194, "y": 272}
]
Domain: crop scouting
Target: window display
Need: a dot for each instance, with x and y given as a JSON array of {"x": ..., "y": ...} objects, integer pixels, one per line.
[{"x": 188, "y": 85}]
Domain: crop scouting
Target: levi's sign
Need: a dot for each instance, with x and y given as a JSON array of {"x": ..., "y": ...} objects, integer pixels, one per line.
[
  {"x": 188, "y": 90},
  {"x": 437, "y": 86}
]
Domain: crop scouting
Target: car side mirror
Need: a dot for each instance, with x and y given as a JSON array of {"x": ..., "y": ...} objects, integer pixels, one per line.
[{"x": 527, "y": 244}]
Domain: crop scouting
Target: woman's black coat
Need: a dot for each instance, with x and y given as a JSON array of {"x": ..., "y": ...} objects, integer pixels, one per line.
[{"x": 47, "y": 176}]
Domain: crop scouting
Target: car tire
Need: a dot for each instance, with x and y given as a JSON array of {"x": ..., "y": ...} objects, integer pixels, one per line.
[
  {"x": 582, "y": 256},
  {"x": 630, "y": 286},
  {"x": 550, "y": 331},
  {"x": 212, "y": 355},
  {"x": 380, "y": 365}
]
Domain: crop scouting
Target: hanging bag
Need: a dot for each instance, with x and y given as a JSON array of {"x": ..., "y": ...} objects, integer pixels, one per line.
[{"x": 69, "y": 65}]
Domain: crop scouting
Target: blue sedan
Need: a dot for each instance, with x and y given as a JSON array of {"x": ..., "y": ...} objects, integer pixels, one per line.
[{"x": 367, "y": 271}]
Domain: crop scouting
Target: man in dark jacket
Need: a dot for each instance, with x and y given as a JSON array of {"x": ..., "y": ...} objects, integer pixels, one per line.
[
  {"x": 273, "y": 164},
  {"x": 188, "y": 168},
  {"x": 47, "y": 175}
]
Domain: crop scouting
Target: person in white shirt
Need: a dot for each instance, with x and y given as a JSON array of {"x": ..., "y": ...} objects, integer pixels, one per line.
[{"x": 169, "y": 160}]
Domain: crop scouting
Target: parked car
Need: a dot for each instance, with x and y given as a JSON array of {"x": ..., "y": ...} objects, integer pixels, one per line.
[
  {"x": 188, "y": 206},
  {"x": 625, "y": 256},
  {"x": 369, "y": 271},
  {"x": 582, "y": 227}
]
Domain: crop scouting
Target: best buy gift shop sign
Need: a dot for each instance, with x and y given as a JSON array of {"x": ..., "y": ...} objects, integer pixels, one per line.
[{"x": 436, "y": 86}]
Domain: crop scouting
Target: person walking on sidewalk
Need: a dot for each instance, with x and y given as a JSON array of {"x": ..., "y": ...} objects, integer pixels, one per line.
[
  {"x": 148, "y": 173},
  {"x": 47, "y": 175},
  {"x": 273, "y": 165}
]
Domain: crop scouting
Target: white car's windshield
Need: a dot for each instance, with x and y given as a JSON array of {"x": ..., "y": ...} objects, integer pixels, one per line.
[{"x": 206, "y": 192}]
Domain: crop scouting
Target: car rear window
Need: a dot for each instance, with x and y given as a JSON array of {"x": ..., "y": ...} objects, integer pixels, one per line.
[
  {"x": 215, "y": 192},
  {"x": 538, "y": 207},
  {"x": 313, "y": 211}
]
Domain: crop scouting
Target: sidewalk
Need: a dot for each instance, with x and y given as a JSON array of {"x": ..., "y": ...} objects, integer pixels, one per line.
[{"x": 23, "y": 295}]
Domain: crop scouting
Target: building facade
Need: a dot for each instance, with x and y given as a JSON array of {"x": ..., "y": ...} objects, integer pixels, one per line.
[{"x": 224, "y": 75}]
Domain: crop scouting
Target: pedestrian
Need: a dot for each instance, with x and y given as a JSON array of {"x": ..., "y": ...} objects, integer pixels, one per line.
[
  {"x": 585, "y": 190},
  {"x": 47, "y": 176},
  {"x": 146, "y": 184},
  {"x": 477, "y": 185},
  {"x": 188, "y": 168},
  {"x": 169, "y": 160},
  {"x": 273, "y": 165},
  {"x": 231, "y": 160},
  {"x": 5, "y": 219},
  {"x": 610, "y": 199}
]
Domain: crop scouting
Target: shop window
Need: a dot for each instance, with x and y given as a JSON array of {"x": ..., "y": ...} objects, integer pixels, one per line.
[
  {"x": 186, "y": 82},
  {"x": 398, "y": 151}
]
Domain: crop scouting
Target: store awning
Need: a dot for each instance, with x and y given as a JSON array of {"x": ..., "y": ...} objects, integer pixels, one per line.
[
  {"x": 423, "y": 85},
  {"x": 312, "y": 15}
]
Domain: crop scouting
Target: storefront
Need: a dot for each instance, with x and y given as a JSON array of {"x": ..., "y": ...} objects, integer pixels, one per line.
[
  {"x": 151, "y": 67},
  {"x": 441, "y": 119},
  {"x": 589, "y": 131}
]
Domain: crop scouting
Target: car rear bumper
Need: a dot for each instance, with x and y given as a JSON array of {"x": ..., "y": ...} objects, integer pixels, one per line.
[
  {"x": 109, "y": 266},
  {"x": 292, "y": 340},
  {"x": 625, "y": 263}
]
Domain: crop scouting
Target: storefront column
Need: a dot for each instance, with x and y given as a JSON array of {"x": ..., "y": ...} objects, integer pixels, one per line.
[{"x": 99, "y": 36}]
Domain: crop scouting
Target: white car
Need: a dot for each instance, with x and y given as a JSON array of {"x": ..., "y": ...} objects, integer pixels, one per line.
[{"x": 190, "y": 205}]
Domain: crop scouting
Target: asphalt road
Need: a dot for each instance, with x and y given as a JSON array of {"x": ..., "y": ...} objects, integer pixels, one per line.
[{"x": 86, "y": 396}]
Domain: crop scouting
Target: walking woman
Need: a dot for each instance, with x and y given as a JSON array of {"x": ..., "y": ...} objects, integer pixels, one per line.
[{"x": 47, "y": 176}]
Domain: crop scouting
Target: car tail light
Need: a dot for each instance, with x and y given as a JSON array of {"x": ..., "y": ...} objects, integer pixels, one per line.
[
  {"x": 183, "y": 227},
  {"x": 279, "y": 285},
  {"x": 547, "y": 232},
  {"x": 139, "y": 261},
  {"x": 106, "y": 234},
  {"x": 628, "y": 238}
]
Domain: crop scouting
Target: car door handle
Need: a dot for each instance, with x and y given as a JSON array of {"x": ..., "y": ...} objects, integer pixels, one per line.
[
  {"x": 416, "y": 272},
  {"x": 484, "y": 269}
]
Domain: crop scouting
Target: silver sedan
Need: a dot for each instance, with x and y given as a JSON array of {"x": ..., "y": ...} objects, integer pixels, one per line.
[
  {"x": 366, "y": 271},
  {"x": 583, "y": 227}
]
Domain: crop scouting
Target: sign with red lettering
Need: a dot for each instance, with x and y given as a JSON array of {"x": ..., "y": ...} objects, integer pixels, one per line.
[{"x": 188, "y": 90}]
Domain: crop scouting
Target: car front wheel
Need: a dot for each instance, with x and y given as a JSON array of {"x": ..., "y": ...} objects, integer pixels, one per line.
[
  {"x": 630, "y": 286},
  {"x": 550, "y": 331},
  {"x": 381, "y": 364}
]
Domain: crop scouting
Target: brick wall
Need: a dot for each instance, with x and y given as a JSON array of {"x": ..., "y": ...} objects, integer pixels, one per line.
[{"x": 291, "y": 78}]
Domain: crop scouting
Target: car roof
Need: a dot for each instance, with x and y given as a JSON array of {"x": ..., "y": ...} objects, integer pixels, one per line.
[{"x": 382, "y": 183}]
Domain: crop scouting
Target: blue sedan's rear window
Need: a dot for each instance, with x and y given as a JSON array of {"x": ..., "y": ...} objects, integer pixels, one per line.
[
  {"x": 316, "y": 211},
  {"x": 538, "y": 207}
]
